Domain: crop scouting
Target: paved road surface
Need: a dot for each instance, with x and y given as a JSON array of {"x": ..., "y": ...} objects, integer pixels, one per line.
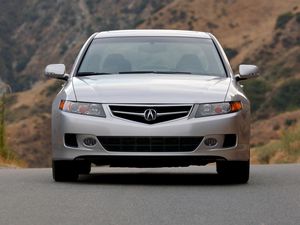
[{"x": 194, "y": 195}]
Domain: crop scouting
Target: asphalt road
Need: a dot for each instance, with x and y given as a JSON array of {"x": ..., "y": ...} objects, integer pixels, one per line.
[{"x": 194, "y": 195}]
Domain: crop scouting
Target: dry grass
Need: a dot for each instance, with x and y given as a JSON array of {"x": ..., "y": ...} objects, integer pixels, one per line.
[
  {"x": 263, "y": 131},
  {"x": 12, "y": 163},
  {"x": 284, "y": 150},
  {"x": 28, "y": 130},
  {"x": 33, "y": 96}
]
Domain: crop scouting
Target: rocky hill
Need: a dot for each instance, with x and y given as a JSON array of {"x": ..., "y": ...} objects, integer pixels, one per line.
[{"x": 35, "y": 33}]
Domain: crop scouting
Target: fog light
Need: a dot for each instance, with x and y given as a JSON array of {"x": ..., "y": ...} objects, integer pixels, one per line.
[
  {"x": 89, "y": 141},
  {"x": 210, "y": 142}
]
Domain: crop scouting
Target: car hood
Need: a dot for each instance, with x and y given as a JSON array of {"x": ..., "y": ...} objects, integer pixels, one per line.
[{"x": 150, "y": 88}]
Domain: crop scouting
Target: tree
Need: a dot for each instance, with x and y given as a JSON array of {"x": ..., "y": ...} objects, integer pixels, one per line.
[
  {"x": 2, "y": 126},
  {"x": 4, "y": 152}
]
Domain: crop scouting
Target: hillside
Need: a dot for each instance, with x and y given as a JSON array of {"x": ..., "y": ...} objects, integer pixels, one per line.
[
  {"x": 28, "y": 118},
  {"x": 38, "y": 32},
  {"x": 52, "y": 32}
]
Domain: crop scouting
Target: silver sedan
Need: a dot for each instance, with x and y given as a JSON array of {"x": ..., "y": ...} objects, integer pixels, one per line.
[{"x": 151, "y": 98}]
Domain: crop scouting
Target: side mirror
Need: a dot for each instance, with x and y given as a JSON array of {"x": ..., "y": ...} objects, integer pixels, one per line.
[
  {"x": 56, "y": 71},
  {"x": 247, "y": 72}
]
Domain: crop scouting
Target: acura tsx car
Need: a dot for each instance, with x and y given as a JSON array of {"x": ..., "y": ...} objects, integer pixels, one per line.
[{"x": 151, "y": 98}]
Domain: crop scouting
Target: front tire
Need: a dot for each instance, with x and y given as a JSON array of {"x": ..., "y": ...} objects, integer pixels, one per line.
[
  {"x": 83, "y": 167},
  {"x": 235, "y": 171},
  {"x": 64, "y": 171}
]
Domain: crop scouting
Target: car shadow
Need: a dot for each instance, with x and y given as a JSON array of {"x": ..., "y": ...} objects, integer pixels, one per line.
[{"x": 155, "y": 179}]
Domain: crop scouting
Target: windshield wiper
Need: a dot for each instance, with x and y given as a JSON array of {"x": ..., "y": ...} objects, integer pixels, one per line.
[
  {"x": 173, "y": 72},
  {"x": 139, "y": 71},
  {"x": 157, "y": 72},
  {"x": 82, "y": 74}
]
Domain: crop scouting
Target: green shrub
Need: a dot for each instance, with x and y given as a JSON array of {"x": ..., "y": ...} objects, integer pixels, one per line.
[
  {"x": 177, "y": 15},
  {"x": 266, "y": 152},
  {"x": 256, "y": 91},
  {"x": 63, "y": 48},
  {"x": 278, "y": 70},
  {"x": 283, "y": 19},
  {"x": 298, "y": 17},
  {"x": 138, "y": 22},
  {"x": 276, "y": 126},
  {"x": 92, "y": 4},
  {"x": 290, "y": 122},
  {"x": 32, "y": 16},
  {"x": 40, "y": 109},
  {"x": 287, "y": 96},
  {"x": 10, "y": 100},
  {"x": 290, "y": 141},
  {"x": 24, "y": 82},
  {"x": 141, "y": 6},
  {"x": 158, "y": 4},
  {"x": 230, "y": 52},
  {"x": 22, "y": 63},
  {"x": 17, "y": 114},
  {"x": 53, "y": 89},
  {"x": 211, "y": 25}
]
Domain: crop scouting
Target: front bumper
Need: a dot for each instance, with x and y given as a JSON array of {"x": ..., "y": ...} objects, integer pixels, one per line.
[{"x": 213, "y": 126}]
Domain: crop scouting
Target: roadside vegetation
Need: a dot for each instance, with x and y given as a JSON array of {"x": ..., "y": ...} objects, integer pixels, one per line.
[
  {"x": 7, "y": 157},
  {"x": 284, "y": 150}
]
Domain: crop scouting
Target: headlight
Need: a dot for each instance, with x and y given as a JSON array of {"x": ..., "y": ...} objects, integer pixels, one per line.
[
  {"x": 218, "y": 108},
  {"x": 91, "y": 109}
]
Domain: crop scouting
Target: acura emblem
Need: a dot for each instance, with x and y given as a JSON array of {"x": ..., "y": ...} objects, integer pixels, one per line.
[{"x": 150, "y": 114}]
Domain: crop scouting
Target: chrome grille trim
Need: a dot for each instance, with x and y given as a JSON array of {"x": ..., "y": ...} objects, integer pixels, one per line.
[
  {"x": 164, "y": 112},
  {"x": 158, "y": 114},
  {"x": 129, "y": 113}
]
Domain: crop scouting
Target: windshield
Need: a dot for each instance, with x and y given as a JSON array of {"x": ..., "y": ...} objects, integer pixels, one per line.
[{"x": 152, "y": 55}]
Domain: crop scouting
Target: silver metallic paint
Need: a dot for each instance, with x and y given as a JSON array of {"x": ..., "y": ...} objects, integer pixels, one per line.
[{"x": 151, "y": 89}]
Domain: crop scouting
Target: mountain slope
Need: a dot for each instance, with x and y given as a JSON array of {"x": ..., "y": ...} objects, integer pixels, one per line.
[{"x": 41, "y": 32}]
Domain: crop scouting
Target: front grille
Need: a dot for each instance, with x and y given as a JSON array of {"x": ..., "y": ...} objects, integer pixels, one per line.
[
  {"x": 150, "y": 144},
  {"x": 150, "y": 114}
]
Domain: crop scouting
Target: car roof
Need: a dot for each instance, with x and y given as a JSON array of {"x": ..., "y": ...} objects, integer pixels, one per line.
[{"x": 148, "y": 32}]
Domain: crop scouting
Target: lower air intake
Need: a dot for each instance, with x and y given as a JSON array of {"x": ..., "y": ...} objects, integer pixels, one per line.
[{"x": 150, "y": 144}]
